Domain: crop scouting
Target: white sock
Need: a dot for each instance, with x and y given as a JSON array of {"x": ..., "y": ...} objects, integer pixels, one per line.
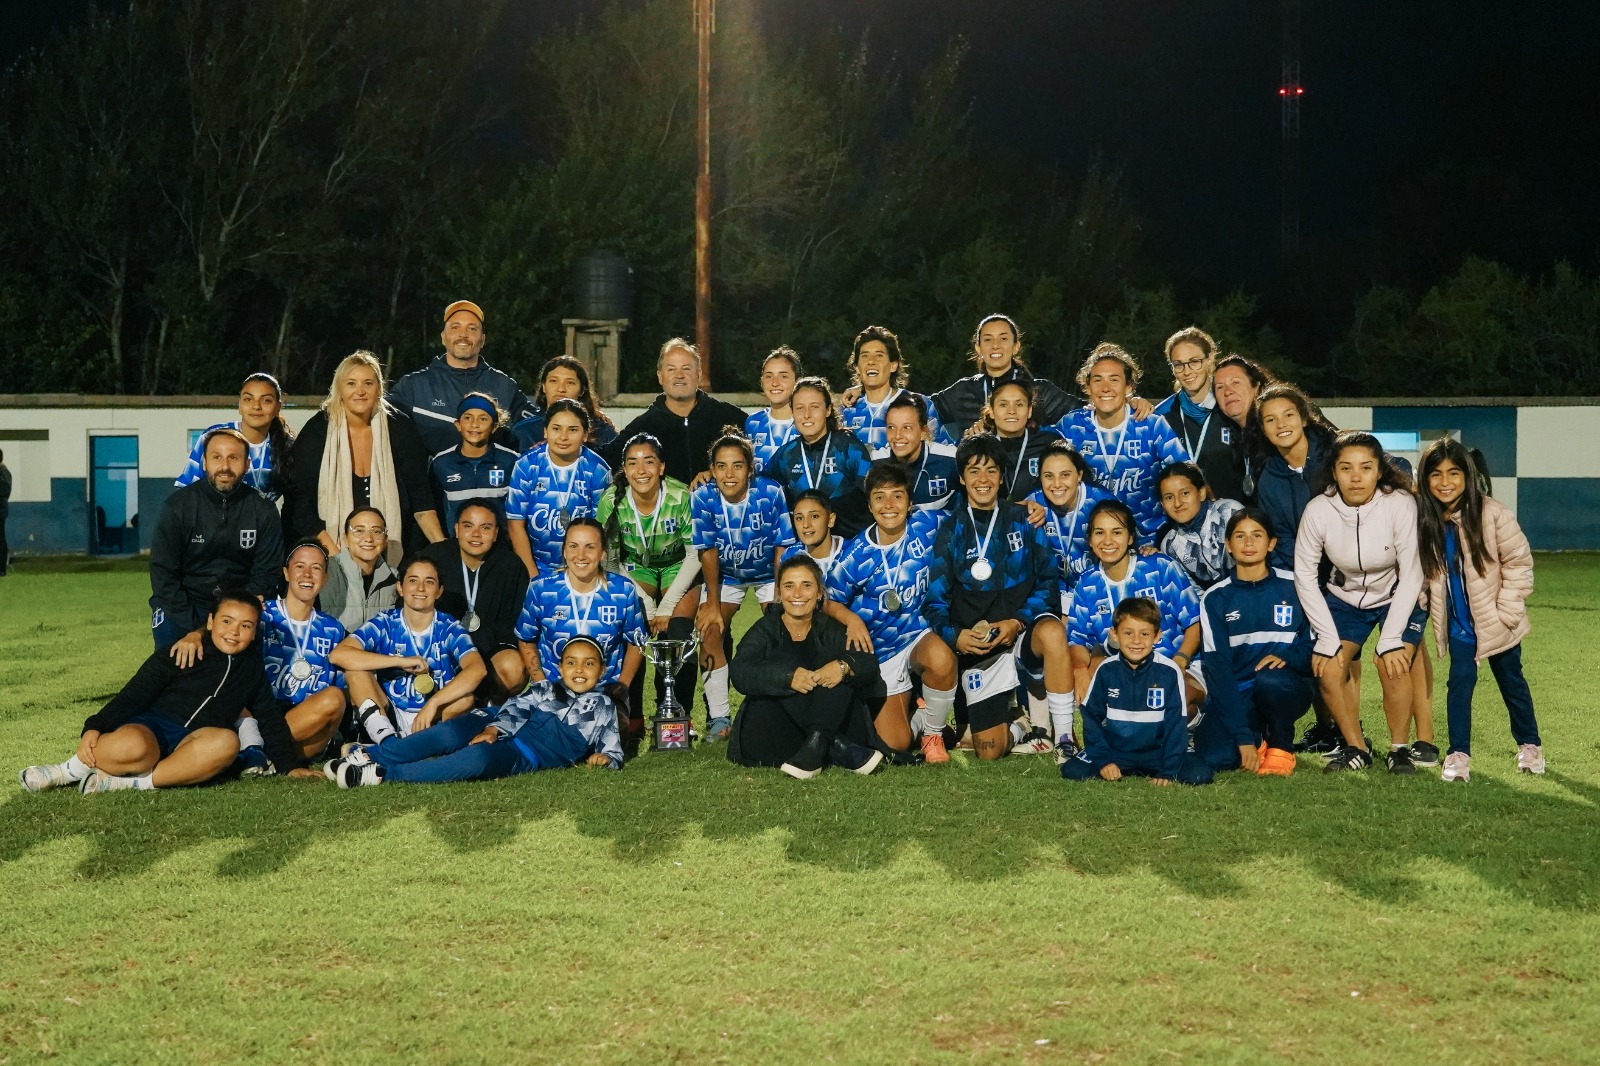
[
  {"x": 717, "y": 705},
  {"x": 374, "y": 722},
  {"x": 76, "y": 769},
  {"x": 1039, "y": 713},
  {"x": 1017, "y": 732},
  {"x": 934, "y": 715},
  {"x": 143, "y": 783},
  {"x": 1061, "y": 704},
  {"x": 249, "y": 731}
]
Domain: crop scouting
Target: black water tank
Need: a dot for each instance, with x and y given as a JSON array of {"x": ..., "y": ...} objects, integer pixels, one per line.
[{"x": 602, "y": 286}]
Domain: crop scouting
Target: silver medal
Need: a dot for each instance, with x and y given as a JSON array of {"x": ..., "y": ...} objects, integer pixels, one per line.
[
  {"x": 299, "y": 669},
  {"x": 1249, "y": 485},
  {"x": 982, "y": 571},
  {"x": 566, "y": 516},
  {"x": 471, "y": 621},
  {"x": 891, "y": 600}
]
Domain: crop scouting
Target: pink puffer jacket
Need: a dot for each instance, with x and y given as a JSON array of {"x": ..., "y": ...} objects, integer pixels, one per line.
[{"x": 1499, "y": 596}]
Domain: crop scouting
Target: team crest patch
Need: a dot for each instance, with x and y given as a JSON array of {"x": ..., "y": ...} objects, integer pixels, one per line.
[
  {"x": 670, "y": 525},
  {"x": 247, "y": 538},
  {"x": 1033, "y": 467},
  {"x": 608, "y": 616},
  {"x": 937, "y": 486},
  {"x": 1155, "y": 699},
  {"x": 1227, "y": 434},
  {"x": 1283, "y": 614},
  {"x": 497, "y": 477},
  {"x": 1014, "y": 541},
  {"x": 973, "y": 679}
]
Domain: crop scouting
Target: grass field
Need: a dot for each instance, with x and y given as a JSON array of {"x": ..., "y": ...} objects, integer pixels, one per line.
[{"x": 687, "y": 910}]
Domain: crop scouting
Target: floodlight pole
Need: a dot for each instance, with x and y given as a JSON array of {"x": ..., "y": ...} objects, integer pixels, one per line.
[{"x": 704, "y": 23}]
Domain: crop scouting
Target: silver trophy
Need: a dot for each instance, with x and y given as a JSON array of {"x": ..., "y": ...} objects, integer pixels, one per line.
[{"x": 669, "y": 729}]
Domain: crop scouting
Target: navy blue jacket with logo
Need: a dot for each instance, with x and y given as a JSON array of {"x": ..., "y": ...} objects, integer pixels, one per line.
[
  {"x": 1138, "y": 711},
  {"x": 428, "y": 397},
  {"x": 457, "y": 479},
  {"x": 206, "y": 541}
]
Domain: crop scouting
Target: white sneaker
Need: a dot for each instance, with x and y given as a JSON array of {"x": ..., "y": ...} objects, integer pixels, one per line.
[
  {"x": 1530, "y": 759},
  {"x": 353, "y": 776},
  {"x": 44, "y": 778},
  {"x": 1457, "y": 767}
]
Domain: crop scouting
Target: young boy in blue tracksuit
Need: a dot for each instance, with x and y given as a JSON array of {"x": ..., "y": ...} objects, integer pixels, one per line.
[
  {"x": 1257, "y": 649},
  {"x": 1134, "y": 719},
  {"x": 553, "y": 724}
]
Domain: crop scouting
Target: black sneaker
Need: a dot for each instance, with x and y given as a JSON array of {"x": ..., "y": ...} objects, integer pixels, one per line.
[
  {"x": 1348, "y": 758},
  {"x": 1399, "y": 761},
  {"x": 809, "y": 760},
  {"x": 853, "y": 757},
  {"x": 1320, "y": 739},
  {"x": 1424, "y": 754}
]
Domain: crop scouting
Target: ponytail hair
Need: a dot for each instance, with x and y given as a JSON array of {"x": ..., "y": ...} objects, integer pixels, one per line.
[{"x": 279, "y": 436}]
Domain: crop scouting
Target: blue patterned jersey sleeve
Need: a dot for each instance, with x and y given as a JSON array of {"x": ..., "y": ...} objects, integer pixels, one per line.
[{"x": 936, "y": 607}]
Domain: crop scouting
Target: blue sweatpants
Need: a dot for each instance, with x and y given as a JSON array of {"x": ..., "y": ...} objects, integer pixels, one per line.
[
  {"x": 1507, "y": 669},
  {"x": 1265, "y": 710},
  {"x": 1192, "y": 771},
  {"x": 444, "y": 752}
]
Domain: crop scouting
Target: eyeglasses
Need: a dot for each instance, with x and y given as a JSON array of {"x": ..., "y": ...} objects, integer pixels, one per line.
[
  {"x": 363, "y": 532},
  {"x": 1190, "y": 364}
]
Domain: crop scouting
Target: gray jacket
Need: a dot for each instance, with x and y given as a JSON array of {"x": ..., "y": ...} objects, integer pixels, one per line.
[{"x": 344, "y": 596}]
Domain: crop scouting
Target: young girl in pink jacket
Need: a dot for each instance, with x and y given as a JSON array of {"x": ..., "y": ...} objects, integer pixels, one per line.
[{"x": 1479, "y": 571}]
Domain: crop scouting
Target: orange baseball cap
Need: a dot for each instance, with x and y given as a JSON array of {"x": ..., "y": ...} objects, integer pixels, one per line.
[{"x": 463, "y": 305}]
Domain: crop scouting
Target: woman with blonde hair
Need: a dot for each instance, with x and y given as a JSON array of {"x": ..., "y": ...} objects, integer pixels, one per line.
[{"x": 352, "y": 454}]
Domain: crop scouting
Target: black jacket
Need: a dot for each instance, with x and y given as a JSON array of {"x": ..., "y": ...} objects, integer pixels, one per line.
[
  {"x": 300, "y": 516},
  {"x": 684, "y": 439},
  {"x": 502, "y": 588},
  {"x": 428, "y": 397},
  {"x": 1221, "y": 444},
  {"x": 960, "y": 403},
  {"x": 206, "y": 541},
  {"x": 212, "y": 692}
]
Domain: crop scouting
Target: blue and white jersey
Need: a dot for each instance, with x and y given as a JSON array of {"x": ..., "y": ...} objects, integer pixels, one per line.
[
  {"x": 1127, "y": 459},
  {"x": 1241, "y": 622},
  {"x": 1151, "y": 577},
  {"x": 836, "y": 546},
  {"x": 444, "y": 644},
  {"x": 1200, "y": 546},
  {"x": 457, "y": 479},
  {"x": 932, "y": 475},
  {"x": 283, "y": 639},
  {"x": 747, "y": 534},
  {"x": 542, "y": 492},
  {"x": 835, "y": 466},
  {"x": 1021, "y": 583},
  {"x": 865, "y": 420},
  {"x": 555, "y": 612},
  {"x": 1068, "y": 534},
  {"x": 869, "y": 571},
  {"x": 591, "y": 715},
  {"x": 767, "y": 434},
  {"x": 258, "y": 473}
]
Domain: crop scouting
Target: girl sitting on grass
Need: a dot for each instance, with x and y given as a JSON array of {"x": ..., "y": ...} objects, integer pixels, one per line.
[{"x": 1479, "y": 571}]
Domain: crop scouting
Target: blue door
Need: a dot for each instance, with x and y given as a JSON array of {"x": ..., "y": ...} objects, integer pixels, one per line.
[{"x": 114, "y": 495}]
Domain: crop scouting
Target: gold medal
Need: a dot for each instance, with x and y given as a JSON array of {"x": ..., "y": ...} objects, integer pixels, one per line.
[{"x": 423, "y": 683}]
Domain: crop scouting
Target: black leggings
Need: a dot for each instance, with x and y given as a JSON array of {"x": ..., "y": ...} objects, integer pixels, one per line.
[{"x": 771, "y": 729}]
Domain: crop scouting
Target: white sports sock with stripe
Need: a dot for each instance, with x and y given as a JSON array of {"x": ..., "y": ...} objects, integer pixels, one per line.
[
  {"x": 1061, "y": 704},
  {"x": 717, "y": 705},
  {"x": 75, "y": 768}
]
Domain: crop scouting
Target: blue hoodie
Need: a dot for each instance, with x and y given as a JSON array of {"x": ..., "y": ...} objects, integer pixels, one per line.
[{"x": 1283, "y": 494}]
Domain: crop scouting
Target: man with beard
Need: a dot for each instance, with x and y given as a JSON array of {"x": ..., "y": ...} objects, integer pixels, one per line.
[
  {"x": 430, "y": 396},
  {"x": 216, "y": 533}
]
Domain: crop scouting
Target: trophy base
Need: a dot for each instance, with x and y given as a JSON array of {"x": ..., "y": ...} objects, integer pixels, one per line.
[{"x": 670, "y": 734}]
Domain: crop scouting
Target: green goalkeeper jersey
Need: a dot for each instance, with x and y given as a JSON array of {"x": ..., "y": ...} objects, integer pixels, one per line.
[{"x": 653, "y": 541}]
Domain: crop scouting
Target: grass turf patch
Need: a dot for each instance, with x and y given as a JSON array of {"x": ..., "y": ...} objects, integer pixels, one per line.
[{"x": 690, "y": 910}]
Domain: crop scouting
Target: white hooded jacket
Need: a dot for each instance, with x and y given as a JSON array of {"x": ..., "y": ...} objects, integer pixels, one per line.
[{"x": 1373, "y": 549}]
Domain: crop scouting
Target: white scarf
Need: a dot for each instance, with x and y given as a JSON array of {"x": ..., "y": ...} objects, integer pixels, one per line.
[{"x": 335, "y": 485}]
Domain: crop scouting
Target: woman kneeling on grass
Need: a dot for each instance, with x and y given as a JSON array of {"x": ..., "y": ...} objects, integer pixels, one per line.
[
  {"x": 554, "y": 724},
  {"x": 1479, "y": 571},
  {"x": 805, "y": 691}
]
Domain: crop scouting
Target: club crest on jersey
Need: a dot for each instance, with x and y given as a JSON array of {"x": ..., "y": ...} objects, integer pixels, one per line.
[
  {"x": 1033, "y": 466},
  {"x": 1155, "y": 698},
  {"x": 608, "y": 616},
  {"x": 497, "y": 477},
  {"x": 1283, "y": 614},
  {"x": 938, "y": 486},
  {"x": 1014, "y": 541},
  {"x": 247, "y": 538},
  {"x": 669, "y": 526},
  {"x": 1227, "y": 434},
  {"x": 1136, "y": 449}
]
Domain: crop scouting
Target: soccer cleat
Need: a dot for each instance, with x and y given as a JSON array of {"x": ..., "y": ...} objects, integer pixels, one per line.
[
  {"x": 330, "y": 769},
  {"x": 1319, "y": 739},
  {"x": 1457, "y": 767},
  {"x": 253, "y": 762},
  {"x": 1034, "y": 742},
  {"x": 1276, "y": 762},
  {"x": 718, "y": 729},
  {"x": 853, "y": 757},
  {"x": 44, "y": 778},
  {"x": 1530, "y": 759},
  {"x": 1348, "y": 758},
  {"x": 933, "y": 749},
  {"x": 1399, "y": 761},
  {"x": 1066, "y": 748},
  {"x": 809, "y": 760},
  {"x": 1424, "y": 753},
  {"x": 352, "y": 775}
]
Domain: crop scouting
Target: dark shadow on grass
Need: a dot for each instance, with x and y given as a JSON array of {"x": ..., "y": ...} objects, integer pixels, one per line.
[{"x": 1362, "y": 832}]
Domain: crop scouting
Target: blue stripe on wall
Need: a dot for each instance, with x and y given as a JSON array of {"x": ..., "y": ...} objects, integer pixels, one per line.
[
  {"x": 1560, "y": 513},
  {"x": 62, "y": 526},
  {"x": 1492, "y": 430}
]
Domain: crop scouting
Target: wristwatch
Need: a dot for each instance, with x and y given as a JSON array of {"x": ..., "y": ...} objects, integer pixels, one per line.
[{"x": 844, "y": 668}]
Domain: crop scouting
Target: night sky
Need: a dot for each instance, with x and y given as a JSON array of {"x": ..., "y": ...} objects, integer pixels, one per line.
[{"x": 1182, "y": 96}]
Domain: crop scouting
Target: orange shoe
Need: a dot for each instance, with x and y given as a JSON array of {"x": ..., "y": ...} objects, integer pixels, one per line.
[
  {"x": 933, "y": 748},
  {"x": 1276, "y": 762}
]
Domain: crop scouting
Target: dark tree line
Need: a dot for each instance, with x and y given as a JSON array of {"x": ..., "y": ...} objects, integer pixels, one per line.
[{"x": 209, "y": 187}]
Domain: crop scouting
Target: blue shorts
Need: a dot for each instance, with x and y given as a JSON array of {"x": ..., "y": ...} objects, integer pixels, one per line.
[
  {"x": 1355, "y": 624},
  {"x": 168, "y": 734}
]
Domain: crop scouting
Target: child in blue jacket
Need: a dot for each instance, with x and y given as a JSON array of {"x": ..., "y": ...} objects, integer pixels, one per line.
[{"x": 1134, "y": 718}]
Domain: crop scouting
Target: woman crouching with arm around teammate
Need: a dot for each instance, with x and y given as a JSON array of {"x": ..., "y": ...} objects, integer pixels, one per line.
[
  {"x": 1479, "y": 571},
  {"x": 1365, "y": 522},
  {"x": 804, "y": 690}
]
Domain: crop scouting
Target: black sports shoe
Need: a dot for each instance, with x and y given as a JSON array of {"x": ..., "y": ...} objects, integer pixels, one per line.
[
  {"x": 1399, "y": 761},
  {"x": 809, "y": 760},
  {"x": 1424, "y": 754},
  {"x": 853, "y": 757},
  {"x": 1320, "y": 739},
  {"x": 1348, "y": 758}
]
